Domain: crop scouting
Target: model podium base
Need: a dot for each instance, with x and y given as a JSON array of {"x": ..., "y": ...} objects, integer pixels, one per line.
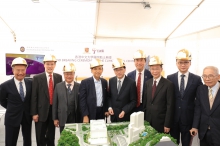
[{"x": 137, "y": 132}]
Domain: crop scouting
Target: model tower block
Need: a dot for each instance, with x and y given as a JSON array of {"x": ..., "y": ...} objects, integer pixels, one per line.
[
  {"x": 98, "y": 132},
  {"x": 136, "y": 126}
]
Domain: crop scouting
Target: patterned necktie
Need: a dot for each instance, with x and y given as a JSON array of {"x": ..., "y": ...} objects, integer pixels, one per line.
[
  {"x": 51, "y": 89},
  {"x": 21, "y": 91},
  {"x": 182, "y": 85},
  {"x": 211, "y": 99},
  {"x": 119, "y": 86},
  {"x": 154, "y": 88},
  {"x": 69, "y": 89},
  {"x": 138, "y": 90}
]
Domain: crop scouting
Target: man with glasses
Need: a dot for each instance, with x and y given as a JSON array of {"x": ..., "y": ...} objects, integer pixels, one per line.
[
  {"x": 140, "y": 75},
  {"x": 186, "y": 85},
  {"x": 42, "y": 101},
  {"x": 159, "y": 98},
  {"x": 122, "y": 93},
  {"x": 15, "y": 96},
  {"x": 206, "y": 120},
  {"x": 93, "y": 94},
  {"x": 65, "y": 100}
]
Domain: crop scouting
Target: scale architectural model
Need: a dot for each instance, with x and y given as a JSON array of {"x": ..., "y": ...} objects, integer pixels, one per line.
[{"x": 137, "y": 132}]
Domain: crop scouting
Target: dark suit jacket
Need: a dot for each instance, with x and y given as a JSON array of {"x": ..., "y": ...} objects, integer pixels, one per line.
[
  {"x": 159, "y": 110},
  {"x": 60, "y": 103},
  {"x": 184, "y": 107},
  {"x": 125, "y": 100},
  {"x": 204, "y": 117},
  {"x": 147, "y": 76},
  {"x": 87, "y": 97},
  {"x": 40, "y": 101},
  {"x": 15, "y": 107}
]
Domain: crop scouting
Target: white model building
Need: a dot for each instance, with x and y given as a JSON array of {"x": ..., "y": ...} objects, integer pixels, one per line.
[
  {"x": 136, "y": 126},
  {"x": 98, "y": 132}
]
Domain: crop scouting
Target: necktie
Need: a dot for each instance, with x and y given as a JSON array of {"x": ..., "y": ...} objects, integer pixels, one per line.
[
  {"x": 182, "y": 85},
  {"x": 69, "y": 89},
  {"x": 154, "y": 88},
  {"x": 51, "y": 89},
  {"x": 211, "y": 99},
  {"x": 138, "y": 90},
  {"x": 119, "y": 86},
  {"x": 21, "y": 91}
]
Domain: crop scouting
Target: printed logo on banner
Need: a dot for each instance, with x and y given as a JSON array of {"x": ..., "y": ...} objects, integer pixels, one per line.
[{"x": 22, "y": 49}]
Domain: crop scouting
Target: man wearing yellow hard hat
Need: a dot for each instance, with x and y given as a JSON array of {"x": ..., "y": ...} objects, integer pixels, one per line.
[
  {"x": 140, "y": 75},
  {"x": 65, "y": 99},
  {"x": 186, "y": 85},
  {"x": 15, "y": 96},
  {"x": 122, "y": 93},
  {"x": 93, "y": 94},
  {"x": 42, "y": 100},
  {"x": 159, "y": 98}
]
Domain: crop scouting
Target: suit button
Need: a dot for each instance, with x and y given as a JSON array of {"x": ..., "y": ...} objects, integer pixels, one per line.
[
  {"x": 179, "y": 107},
  {"x": 152, "y": 104}
]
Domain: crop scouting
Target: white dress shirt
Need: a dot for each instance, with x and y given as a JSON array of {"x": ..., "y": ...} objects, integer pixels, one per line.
[
  {"x": 185, "y": 79},
  {"x": 17, "y": 83}
]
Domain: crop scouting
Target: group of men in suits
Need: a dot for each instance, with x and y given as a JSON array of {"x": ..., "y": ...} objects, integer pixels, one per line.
[{"x": 177, "y": 105}]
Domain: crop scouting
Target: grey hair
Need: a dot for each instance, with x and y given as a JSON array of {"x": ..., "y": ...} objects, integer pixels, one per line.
[{"x": 215, "y": 69}]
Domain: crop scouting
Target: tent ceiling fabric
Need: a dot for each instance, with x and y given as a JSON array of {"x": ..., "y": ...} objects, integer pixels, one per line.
[{"x": 84, "y": 20}]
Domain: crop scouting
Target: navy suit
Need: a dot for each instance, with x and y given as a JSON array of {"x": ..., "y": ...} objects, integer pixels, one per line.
[
  {"x": 88, "y": 99},
  {"x": 204, "y": 117},
  {"x": 17, "y": 112},
  {"x": 147, "y": 76},
  {"x": 184, "y": 107},
  {"x": 124, "y": 101}
]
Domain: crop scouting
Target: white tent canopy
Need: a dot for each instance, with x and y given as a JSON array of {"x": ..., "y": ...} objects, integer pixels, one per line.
[{"x": 88, "y": 20}]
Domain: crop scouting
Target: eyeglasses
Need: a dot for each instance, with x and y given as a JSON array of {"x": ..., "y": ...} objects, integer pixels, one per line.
[
  {"x": 183, "y": 63},
  {"x": 208, "y": 76}
]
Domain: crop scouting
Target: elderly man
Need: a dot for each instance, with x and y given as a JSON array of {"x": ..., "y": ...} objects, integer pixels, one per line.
[
  {"x": 186, "y": 85},
  {"x": 15, "y": 96},
  {"x": 159, "y": 98},
  {"x": 140, "y": 75},
  {"x": 42, "y": 100},
  {"x": 93, "y": 94},
  {"x": 65, "y": 99},
  {"x": 206, "y": 120},
  {"x": 122, "y": 93}
]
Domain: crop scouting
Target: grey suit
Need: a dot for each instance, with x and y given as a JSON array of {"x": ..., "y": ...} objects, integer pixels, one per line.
[{"x": 61, "y": 102}]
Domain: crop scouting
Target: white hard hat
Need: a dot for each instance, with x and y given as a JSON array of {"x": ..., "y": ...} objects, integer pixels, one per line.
[
  {"x": 184, "y": 55},
  {"x": 50, "y": 58},
  {"x": 117, "y": 63},
  {"x": 19, "y": 60},
  {"x": 96, "y": 62},
  {"x": 139, "y": 54},
  {"x": 155, "y": 60},
  {"x": 69, "y": 67}
]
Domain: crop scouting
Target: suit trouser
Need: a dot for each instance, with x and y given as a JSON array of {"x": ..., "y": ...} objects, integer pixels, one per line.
[
  {"x": 208, "y": 140},
  {"x": 178, "y": 128},
  {"x": 11, "y": 133},
  {"x": 47, "y": 129},
  {"x": 70, "y": 119}
]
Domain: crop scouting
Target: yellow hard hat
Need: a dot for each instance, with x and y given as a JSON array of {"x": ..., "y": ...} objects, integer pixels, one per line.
[
  {"x": 139, "y": 54},
  {"x": 117, "y": 63},
  {"x": 184, "y": 55},
  {"x": 19, "y": 60},
  {"x": 50, "y": 58},
  {"x": 155, "y": 60},
  {"x": 95, "y": 62},
  {"x": 69, "y": 67}
]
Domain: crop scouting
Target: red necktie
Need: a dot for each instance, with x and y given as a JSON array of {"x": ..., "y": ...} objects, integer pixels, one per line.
[
  {"x": 51, "y": 89},
  {"x": 138, "y": 90},
  {"x": 154, "y": 88}
]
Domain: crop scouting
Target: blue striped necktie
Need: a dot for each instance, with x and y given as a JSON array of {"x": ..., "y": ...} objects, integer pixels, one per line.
[
  {"x": 182, "y": 86},
  {"x": 21, "y": 91}
]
